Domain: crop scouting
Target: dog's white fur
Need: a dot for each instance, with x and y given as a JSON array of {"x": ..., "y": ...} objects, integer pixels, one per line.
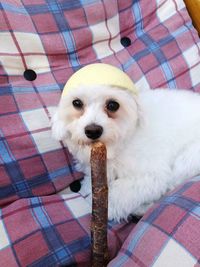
[{"x": 153, "y": 141}]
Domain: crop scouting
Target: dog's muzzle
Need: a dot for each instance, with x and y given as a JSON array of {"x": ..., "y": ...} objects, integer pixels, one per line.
[{"x": 93, "y": 131}]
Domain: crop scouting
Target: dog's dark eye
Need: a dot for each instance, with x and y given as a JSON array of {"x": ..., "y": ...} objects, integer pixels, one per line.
[
  {"x": 77, "y": 103},
  {"x": 112, "y": 105}
]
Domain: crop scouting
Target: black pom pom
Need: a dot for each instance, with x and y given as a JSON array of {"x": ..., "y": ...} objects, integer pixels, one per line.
[
  {"x": 134, "y": 219},
  {"x": 30, "y": 75},
  {"x": 125, "y": 41},
  {"x": 75, "y": 186}
]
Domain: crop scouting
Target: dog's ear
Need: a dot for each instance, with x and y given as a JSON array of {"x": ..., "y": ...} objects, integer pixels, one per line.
[{"x": 59, "y": 131}]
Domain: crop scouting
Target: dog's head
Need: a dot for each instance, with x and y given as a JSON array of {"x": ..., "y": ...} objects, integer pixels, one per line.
[{"x": 92, "y": 113}]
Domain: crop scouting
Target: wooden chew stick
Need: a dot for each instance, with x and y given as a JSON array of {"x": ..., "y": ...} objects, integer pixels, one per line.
[{"x": 99, "y": 205}]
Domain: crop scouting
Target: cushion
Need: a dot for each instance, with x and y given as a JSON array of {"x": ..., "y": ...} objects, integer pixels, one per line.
[
  {"x": 51, "y": 231},
  {"x": 157, "y": 47},
  {"x": 168, "y": 235},
  {"x": 42, "y": 44}
]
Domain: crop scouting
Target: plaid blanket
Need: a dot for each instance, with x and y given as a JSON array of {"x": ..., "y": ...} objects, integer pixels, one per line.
[{"x": 41, "y": 44}]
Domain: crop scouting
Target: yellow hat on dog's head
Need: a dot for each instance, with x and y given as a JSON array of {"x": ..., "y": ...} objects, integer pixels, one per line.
[{"x": 101, "y": 74}]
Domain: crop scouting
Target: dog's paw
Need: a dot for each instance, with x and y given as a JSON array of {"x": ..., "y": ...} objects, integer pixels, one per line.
[
  {"x": 86, "y": 187},
  {"x": 116, "y": 209},
  {"x": 117, "y": 214},
  {"x": 113, "y": 214},
  {"x": 124, "y": 200}
]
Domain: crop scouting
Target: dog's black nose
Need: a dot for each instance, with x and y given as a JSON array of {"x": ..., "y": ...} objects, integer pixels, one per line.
[{"x": 93, "y": 131}]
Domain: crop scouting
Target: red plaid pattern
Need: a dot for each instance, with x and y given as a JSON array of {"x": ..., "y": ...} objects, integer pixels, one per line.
[
  {"x": 55, "y": 232},
  {"x": 168, "y": 235},
  {"x": 55, "y": 38}
]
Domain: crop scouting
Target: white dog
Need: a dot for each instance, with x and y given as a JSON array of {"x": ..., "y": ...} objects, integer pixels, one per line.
[{"x": 152, "y": 140}]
